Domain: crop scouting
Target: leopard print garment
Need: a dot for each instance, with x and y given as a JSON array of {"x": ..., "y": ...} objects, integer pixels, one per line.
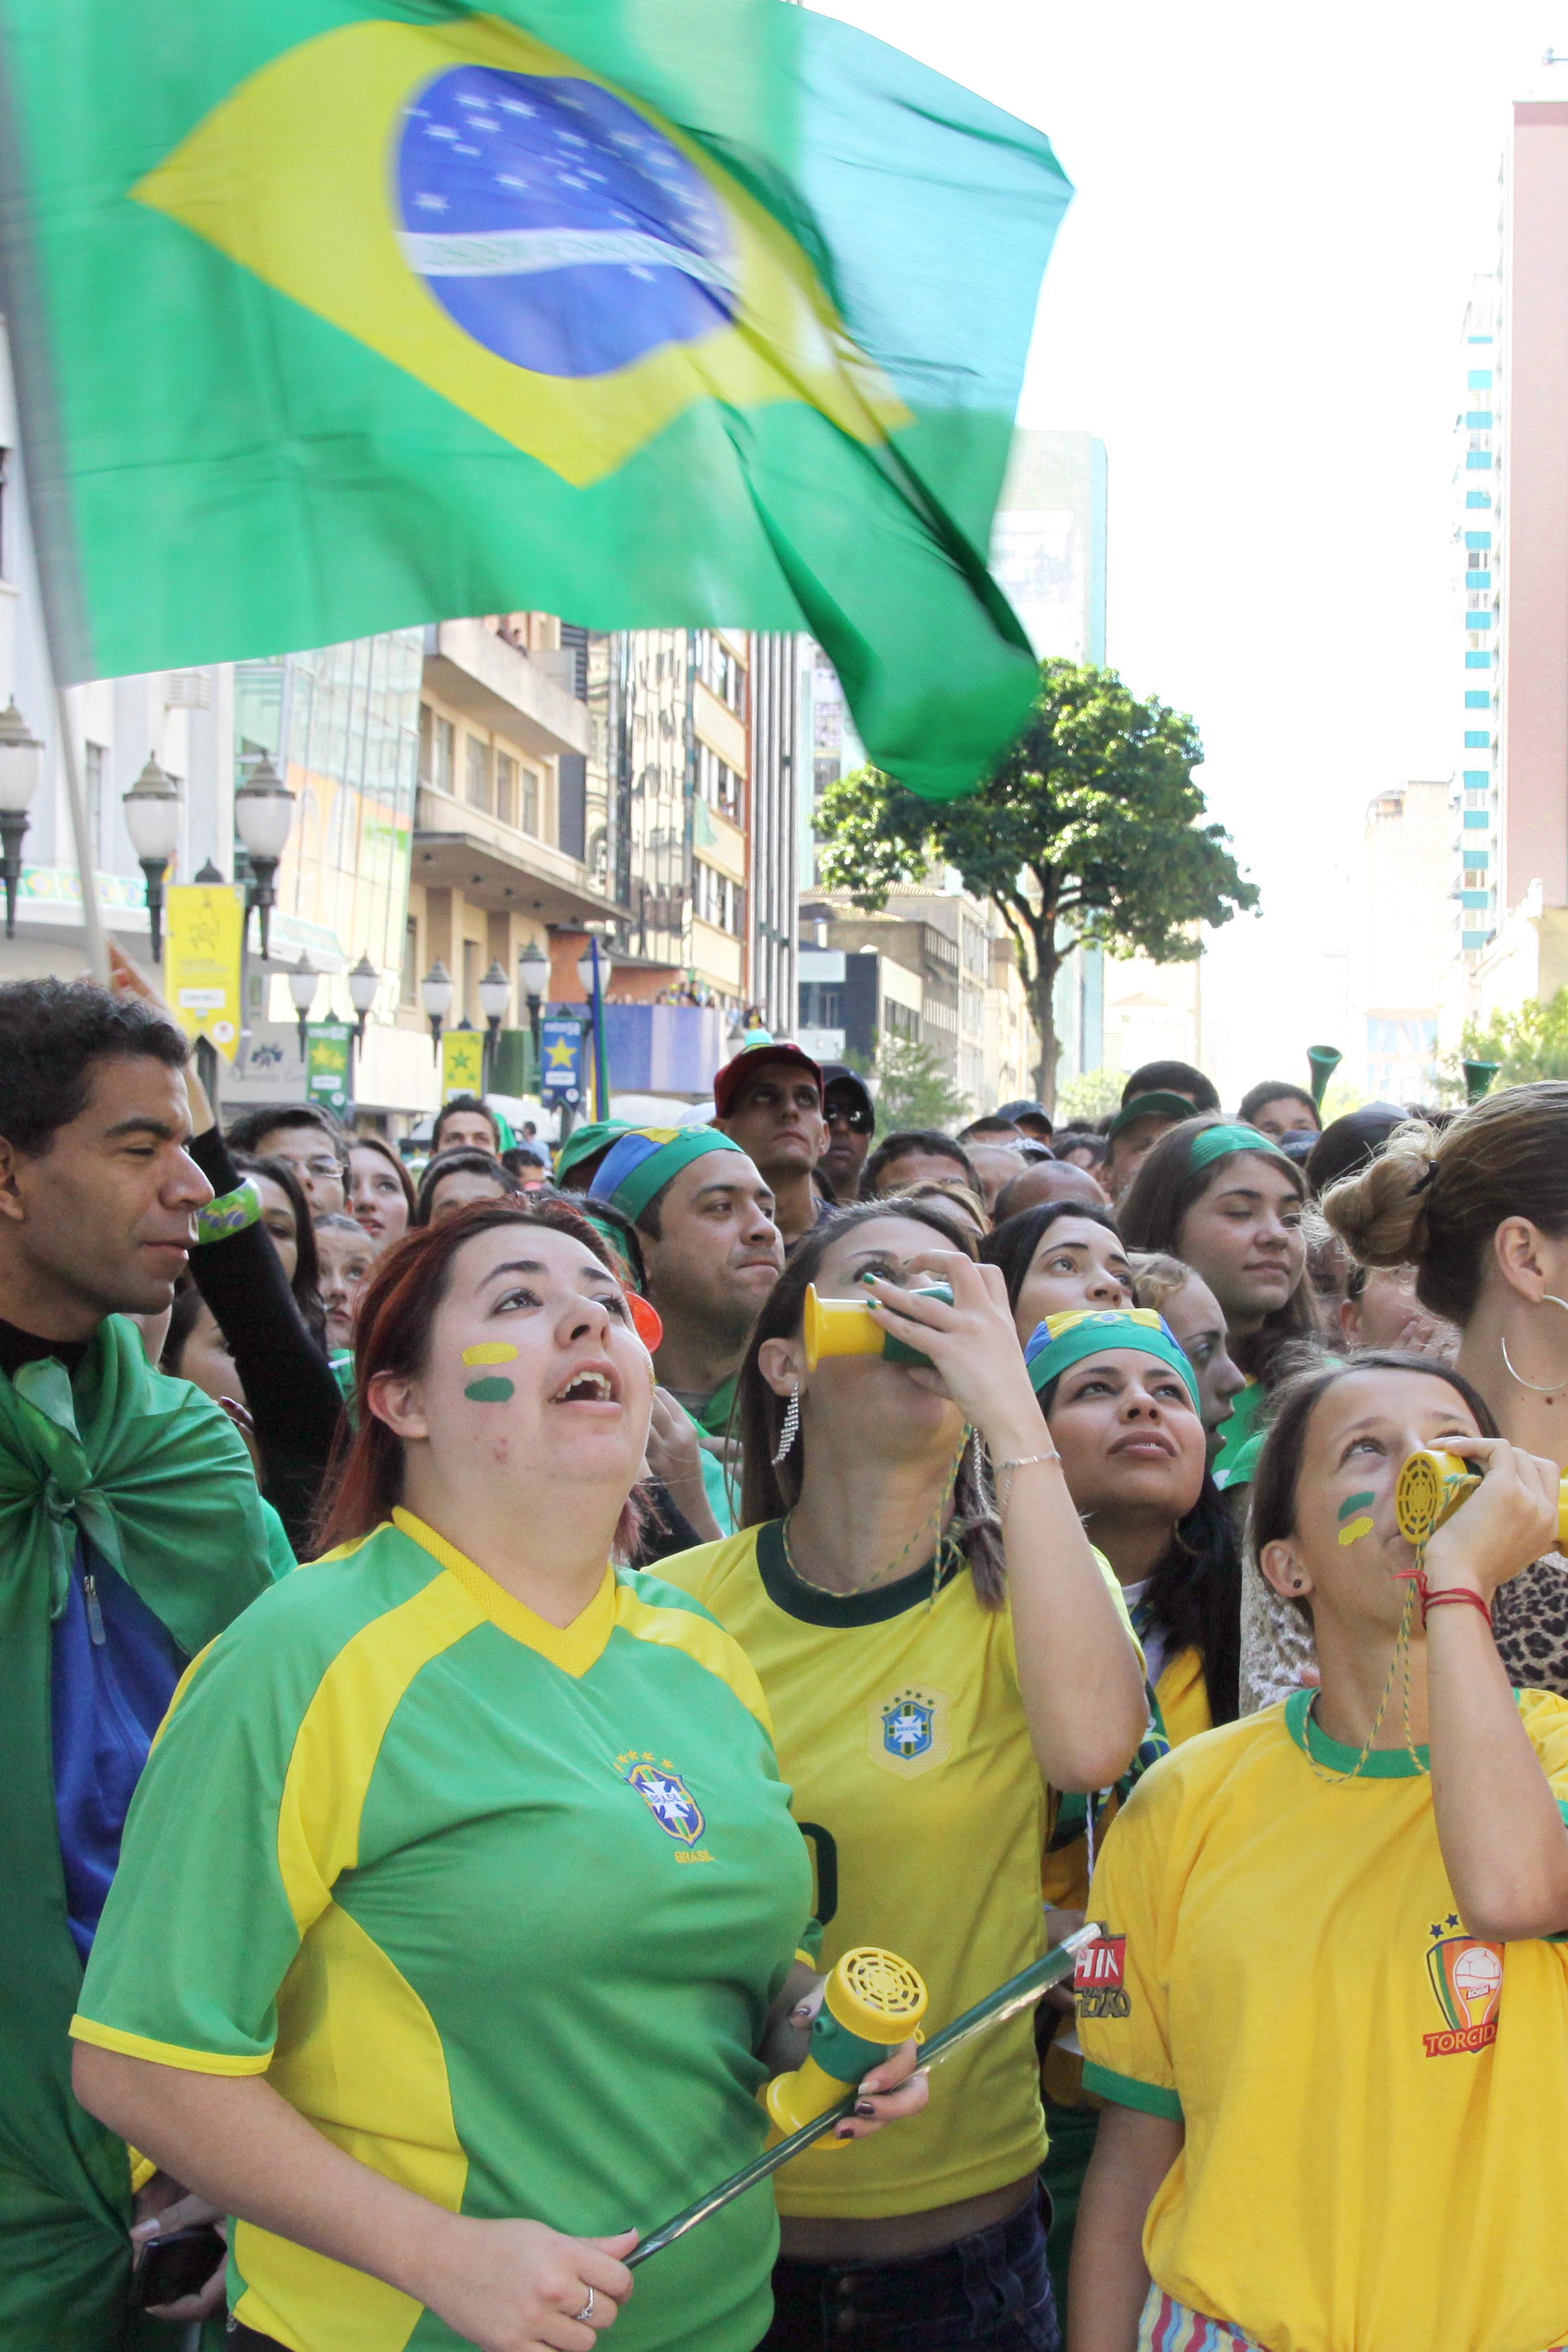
[{"x": 1530, "y": 1618}]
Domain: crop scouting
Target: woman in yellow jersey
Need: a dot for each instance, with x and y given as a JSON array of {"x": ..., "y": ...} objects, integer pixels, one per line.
[
  {"x": 932, "y": 1662},
  {"x": 1329, "y": 2009},
  {"x": 456, "y": 1924},
  {"x": 1123, "y": 1404}
]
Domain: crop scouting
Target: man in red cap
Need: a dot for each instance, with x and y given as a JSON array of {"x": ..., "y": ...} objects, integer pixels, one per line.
[{"x": 769, "y": 1101}]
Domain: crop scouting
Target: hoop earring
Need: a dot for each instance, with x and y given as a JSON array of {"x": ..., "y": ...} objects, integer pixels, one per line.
[
  {"x": 1552, "y": 1388},
  {"x": 791, "y": 1428}
]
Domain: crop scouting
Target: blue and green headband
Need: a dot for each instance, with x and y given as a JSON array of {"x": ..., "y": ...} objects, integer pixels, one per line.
[
  {"x": 1063, "y": 1340},
  {"x": 640, "y": 1164}
]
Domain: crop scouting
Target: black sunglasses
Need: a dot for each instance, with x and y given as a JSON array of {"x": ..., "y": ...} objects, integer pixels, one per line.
[{"x": 854, "y": 1115}]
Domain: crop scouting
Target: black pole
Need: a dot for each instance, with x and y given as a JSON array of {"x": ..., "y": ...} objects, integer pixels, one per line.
[
  {"x": 13, "y": 825},
  {"x": 155, "y": 868}
]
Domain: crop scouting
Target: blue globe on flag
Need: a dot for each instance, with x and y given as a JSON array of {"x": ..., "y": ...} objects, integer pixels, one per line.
[{"x": 556, "y": 225}]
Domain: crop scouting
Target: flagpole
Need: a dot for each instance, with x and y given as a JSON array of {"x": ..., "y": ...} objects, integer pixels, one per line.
[{"x": 92, "y": 920}]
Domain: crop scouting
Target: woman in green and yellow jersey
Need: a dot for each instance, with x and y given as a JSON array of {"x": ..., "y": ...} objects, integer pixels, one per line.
[
  {"x": 1328, "y": 2010},
  {"x": 455, "y": 1929},
  {"x": 1123, "y": 1405},
  {"x": 932, "y": 1662}
]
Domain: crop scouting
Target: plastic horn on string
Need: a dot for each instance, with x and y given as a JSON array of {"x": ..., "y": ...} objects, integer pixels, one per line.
[
  {"x": 1478, "y": 1076},
  {"x": 1322, "y": 1061},
  {"x": 1019, "y": 1992},
  {"x": 1430, "y": 1488},
  {"x": 846, "y": 1326}
]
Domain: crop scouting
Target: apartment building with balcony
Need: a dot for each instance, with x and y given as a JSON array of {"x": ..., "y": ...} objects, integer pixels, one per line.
[{"x": 500, "y": 853}]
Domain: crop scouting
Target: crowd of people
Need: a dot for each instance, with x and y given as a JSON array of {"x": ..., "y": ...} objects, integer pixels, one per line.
[{"x": 473, "y": 1660}]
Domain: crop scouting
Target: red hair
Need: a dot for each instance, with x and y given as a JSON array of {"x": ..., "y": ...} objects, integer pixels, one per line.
[{"x": 397, "y": 1309}]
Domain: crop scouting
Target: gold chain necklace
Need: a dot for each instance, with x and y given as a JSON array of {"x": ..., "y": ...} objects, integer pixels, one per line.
[{"x": 944, "y": 1547}]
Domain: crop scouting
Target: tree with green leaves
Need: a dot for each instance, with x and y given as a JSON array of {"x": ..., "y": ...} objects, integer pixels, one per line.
[
  {"x": 1530, "y": 1043},
  {"x": 1088, "y": 830},
  {"x": 913, "y": 1089}
]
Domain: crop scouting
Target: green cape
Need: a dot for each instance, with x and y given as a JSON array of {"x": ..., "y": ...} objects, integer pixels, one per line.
[{"x": 159, "y": 1480}]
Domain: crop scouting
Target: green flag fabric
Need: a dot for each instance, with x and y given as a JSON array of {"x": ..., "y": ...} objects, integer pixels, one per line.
[{"x": 330, "y": 318}]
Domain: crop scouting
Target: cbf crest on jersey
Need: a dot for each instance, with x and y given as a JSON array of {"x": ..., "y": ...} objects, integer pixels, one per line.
[
  {"x": 909, "y": 1729},
  {"x": 664, "y": 1794}
]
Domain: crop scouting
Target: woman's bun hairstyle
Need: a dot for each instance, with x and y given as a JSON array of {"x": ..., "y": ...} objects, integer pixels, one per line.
[
  {"x": 1381, "y": 1215},
  {"x": 1434, "y": 1200}
]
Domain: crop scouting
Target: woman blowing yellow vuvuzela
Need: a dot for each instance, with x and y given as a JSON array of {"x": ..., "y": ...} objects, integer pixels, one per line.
[
  {"x": 936, "y": 1661},
  {"x": 1329, "y": 2009}
]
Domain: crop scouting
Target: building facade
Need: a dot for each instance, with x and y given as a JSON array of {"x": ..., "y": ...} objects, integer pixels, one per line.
[
  {"x": 1508, "y": 869},
  {"x": 1401, "y": 936}
]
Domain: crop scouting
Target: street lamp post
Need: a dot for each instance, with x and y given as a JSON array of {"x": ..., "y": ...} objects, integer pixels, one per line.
[
  {"x": 436, "y": 993},
  {"x": 363, "y": 981},
  {"x": 263, "y": 816},
  {"x": 21, "y": 764},
  {"x": 495, "y": 1001},
  {"x": 302, "y": 984},
  {"x": 533, "y": 978},
  {"x": 594, "y": 968},
  {"x": 153, "y": 820}
]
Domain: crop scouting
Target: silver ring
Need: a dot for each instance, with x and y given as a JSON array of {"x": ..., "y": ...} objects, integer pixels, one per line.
[{"x": 586, "y": 2313}]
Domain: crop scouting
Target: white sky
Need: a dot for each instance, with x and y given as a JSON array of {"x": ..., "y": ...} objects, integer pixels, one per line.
[{"x": 1254, "y": 301}]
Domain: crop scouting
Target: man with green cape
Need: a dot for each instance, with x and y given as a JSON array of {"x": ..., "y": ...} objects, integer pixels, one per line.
[{"x": 131, "y": 1534}]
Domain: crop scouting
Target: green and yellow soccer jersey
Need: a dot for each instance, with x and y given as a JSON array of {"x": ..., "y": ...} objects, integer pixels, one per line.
[
  {"x": 1374, "y": 2100},
  {"x": 500, "y": 1907},
  {"x": 901, "y": 1728}
]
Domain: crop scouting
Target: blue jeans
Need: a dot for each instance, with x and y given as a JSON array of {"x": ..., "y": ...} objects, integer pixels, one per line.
[{"x": 993, "y": 2291}]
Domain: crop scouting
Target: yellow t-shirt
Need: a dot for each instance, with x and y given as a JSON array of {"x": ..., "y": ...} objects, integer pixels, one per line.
[
  {"x": 1376, "y": 2102},
  {"x": 899, "y": 1726}
]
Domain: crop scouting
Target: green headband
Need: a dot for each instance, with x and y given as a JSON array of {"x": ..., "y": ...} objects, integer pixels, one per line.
[
  {"x": 1212, "y": 1143},
  {"x": 1063, "y": 1340}
]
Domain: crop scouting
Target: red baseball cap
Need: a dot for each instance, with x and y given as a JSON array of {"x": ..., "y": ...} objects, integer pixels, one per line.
[{"x": 751, "y": 1059}]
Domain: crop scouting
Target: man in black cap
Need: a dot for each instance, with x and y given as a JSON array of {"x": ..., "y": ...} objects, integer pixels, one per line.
[
  {"x": 1031, "y": 1118},
  {"x": 851, "y": 1118}
]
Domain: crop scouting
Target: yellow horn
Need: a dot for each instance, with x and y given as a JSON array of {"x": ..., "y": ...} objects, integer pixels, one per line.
[
  {"x": 1431, "y": 1485},
  {"x": 838, "y": 1327}
]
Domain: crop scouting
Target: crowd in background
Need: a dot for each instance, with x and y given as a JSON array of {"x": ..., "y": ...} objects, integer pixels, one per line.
[{"x": 1077, "y": 1594}]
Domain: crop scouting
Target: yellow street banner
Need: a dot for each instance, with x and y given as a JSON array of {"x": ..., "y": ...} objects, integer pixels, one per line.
[
  {"x": 462, "y": 1063},
  {"x": 202, "y": 929}
]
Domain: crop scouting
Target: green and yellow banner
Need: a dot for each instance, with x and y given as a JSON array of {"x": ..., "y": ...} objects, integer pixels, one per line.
[{"x": 330, "y": 318}]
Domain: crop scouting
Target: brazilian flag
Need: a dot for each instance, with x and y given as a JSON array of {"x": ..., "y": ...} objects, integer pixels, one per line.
[{"x": 331, "y": 316}]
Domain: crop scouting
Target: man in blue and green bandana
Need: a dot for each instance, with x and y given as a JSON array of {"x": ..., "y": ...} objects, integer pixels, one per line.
[
  {"x": 131, "y": 1534},
  {"x": 713, "y": 1251}
]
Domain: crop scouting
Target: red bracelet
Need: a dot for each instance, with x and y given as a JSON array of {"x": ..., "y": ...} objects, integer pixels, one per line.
[{"x": 1452, "y": 1593}]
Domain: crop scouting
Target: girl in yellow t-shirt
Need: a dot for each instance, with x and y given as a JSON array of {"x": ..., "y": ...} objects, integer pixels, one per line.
[
  {"x": 931, "y": 1659},
  {"x": 1123, "y": 1405},
  {"x": 1328, "y": 2010}
]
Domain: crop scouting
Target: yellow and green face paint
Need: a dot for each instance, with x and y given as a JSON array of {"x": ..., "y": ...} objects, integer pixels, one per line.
[
  {"x": 1363, "y": 1525},
  {"x": 495, "y": 1389}
]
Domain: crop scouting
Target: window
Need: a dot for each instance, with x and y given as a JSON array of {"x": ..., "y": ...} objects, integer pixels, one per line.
[
  {"x": 1477, "y": 498},
  {"x": 1477, "y": 539},
  {"x": 438, "y": 748},
  {"x": 718, "y": 670},
  {"x": 1480, "y": 379},
  {"x": 410, "y": 985},
  {"x": 479, "y": 772},
  {"x": 1477, "y": 699},
  {"x": 529, "y": 815},
  {"x": 92, "y": 785},
  {"x": 901, "y": 1021},
  {"x": 469, "y": 1005},
  {"x": 505, "y": 787},
  {"x": 1477, "y": 739}
]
